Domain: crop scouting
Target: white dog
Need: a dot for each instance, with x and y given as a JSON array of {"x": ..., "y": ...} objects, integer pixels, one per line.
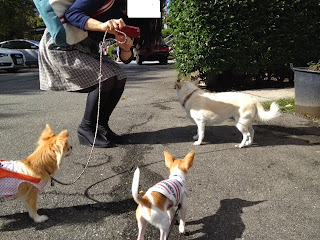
[{"x": 214, "y": 108}]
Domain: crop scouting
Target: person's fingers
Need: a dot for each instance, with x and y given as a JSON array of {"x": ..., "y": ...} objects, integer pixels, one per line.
[
  {"x": 110, "y": 26},
  {"x": 115, "y": 25},
  {"x": 121, "y": 23}
]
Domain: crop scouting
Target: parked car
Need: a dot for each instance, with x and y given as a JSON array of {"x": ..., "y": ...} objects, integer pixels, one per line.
[
  {"x": 29, "y": 48},
  {"x": 160, "y": 54},
  {"x": 11, "y": 60}
]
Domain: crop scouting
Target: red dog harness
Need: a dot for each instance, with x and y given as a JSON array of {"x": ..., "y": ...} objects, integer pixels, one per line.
[{"x": 10, "y": 179}]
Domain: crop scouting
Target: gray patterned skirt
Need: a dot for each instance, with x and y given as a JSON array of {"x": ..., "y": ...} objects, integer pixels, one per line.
[{"x": 75, "y": 67}]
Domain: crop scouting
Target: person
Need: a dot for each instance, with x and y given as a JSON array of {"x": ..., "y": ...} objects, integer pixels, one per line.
[{"x": 76, "y": 68}]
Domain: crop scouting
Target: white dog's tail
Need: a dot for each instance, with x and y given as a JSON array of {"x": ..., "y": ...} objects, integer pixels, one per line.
[
  {"x": 266, "y": 116},
  {"x": 135, "y": 185},
  {"x": 135, "y": 188}
]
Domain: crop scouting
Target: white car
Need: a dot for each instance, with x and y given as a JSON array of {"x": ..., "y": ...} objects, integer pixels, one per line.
[
  {"x": 29, "y": 48},
  {"x": 11, "y": 60}
]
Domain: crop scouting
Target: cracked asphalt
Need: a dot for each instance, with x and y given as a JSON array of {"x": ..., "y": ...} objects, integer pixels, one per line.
[{"x": 268, "y": 191}]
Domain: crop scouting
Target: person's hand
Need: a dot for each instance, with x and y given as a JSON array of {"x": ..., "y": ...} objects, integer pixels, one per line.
[
  {"x": 112, "y": 25},
  {"x": 117, "y": 24},
  {"x": 124, "y": 42}
]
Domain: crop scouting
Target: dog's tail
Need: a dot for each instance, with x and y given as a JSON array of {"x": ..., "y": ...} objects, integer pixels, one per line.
[
  {"x": 266, "y": 116},
  {"x": 135, "y": 188}
]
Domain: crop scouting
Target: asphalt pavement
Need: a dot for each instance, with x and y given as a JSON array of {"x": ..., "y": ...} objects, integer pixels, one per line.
[{"x": 267, "y": 191}]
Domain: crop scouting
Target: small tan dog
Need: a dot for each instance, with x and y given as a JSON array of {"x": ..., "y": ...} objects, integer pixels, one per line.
[
  {"x": 214, "y": 108},
  {"x": 25, "y": 178},
  {"x": 155, "y": 206}
]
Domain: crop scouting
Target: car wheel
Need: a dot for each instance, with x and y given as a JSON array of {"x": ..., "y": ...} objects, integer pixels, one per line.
[
  {"x": 164, "y": 61},
  {"x": 13, "y": 70}
]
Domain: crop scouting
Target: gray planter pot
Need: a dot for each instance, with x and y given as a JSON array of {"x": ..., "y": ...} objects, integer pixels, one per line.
[{"x": 307, "y": 91}]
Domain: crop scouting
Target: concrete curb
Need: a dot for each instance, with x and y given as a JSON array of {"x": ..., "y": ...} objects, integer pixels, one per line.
[{"x": 271, "y": 94}]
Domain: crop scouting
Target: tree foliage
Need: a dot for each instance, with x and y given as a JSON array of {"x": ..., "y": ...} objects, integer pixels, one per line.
[
  {"x": 245, "y": 37},
  {"x": 16, "y": 17}
]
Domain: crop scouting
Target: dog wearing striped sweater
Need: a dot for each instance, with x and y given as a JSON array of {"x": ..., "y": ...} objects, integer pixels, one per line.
[{"x": 155, "y": 206}]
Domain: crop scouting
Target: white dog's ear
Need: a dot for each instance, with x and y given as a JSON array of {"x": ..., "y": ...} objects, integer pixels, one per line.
[{"x": 168, "y": 159}]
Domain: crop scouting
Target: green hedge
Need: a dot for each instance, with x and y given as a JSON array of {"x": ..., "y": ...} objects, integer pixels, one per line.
[
  {"x": 166, "y": 32},
  {"x": 245, "y": 38}
]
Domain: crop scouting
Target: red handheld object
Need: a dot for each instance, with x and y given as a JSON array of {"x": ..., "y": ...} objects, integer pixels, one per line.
[{"x": 130, "y": 31}]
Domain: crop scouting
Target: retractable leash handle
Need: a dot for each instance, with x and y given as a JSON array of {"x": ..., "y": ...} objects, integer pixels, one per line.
[{"x": 131, "y": 31}]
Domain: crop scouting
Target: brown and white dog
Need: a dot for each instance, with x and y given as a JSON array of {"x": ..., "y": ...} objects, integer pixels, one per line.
[
  {"x": 155, "y": 206},
  {"x": 25, "y": 178},
  {"x": 214, "y": 108}
]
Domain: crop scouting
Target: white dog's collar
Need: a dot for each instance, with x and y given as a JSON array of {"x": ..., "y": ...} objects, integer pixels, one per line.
[{"x": 188, "y": 97}]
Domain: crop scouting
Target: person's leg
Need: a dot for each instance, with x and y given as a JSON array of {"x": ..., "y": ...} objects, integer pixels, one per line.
[
  {"x": 86, "y": 130},
  {"x": 108, "y": 105}
]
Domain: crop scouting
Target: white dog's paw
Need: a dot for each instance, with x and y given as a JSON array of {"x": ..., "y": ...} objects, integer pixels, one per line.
[
  {"x": 182, "y": 229},
  {"x": 41, "y": 218},
  {"x": 239, "y": 146},
  {"x": 195, "y": 137},
  {"x": 197, "y": 143}
]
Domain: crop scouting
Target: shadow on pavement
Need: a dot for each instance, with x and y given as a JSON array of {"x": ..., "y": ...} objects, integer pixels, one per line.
[
  {"x": 265, "y": 135},
  {"x": 82, "y": 214},
  {"x": 226, "y": 223}
]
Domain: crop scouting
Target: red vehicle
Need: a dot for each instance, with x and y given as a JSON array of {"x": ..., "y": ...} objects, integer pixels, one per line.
[{"x": 161, "y": 54}]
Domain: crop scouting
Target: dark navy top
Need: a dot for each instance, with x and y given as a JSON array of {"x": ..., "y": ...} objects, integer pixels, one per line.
[{"x": 81, "y": 10}]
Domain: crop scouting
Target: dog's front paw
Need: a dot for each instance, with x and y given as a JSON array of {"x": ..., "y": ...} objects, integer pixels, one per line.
[
  {"x": 41, "y": 218},
  {"x": 239, "y": 146},
  {"x": 182, "y": 229},
  {"x": 197, "y": 143}
]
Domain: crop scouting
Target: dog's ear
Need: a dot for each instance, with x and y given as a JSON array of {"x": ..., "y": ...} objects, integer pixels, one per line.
[
  {"x": 46, "y": 134},
  {"x": 178, "y": 85},
  {"x": 63, "y": 135},
  {"x": 168, "y": 159},
  {"x": 188, "y": 161},
  {"x": 62, "y": 139},
  {"x": 62, "y": 145}
]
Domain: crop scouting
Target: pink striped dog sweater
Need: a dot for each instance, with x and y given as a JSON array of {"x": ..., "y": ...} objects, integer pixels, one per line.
[{"x": 173, "y": 188}]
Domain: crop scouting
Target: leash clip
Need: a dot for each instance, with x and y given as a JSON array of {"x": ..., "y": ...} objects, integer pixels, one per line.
[
  {"x": 105, "y": 51},
  {"x": 51, "y": 182},
  {"x": 104, "y": 46}
]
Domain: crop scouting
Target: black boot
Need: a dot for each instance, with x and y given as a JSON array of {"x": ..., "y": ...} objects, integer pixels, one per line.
[
  {"x": 86, "y": 134},
  {"x": 86, "y": 130},
  {"x": 109, "y": 134},
  {"x": 107, "y": 107}
]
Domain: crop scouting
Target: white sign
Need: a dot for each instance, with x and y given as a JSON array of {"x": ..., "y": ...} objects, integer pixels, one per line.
[{"x": 143, "y": 9}]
